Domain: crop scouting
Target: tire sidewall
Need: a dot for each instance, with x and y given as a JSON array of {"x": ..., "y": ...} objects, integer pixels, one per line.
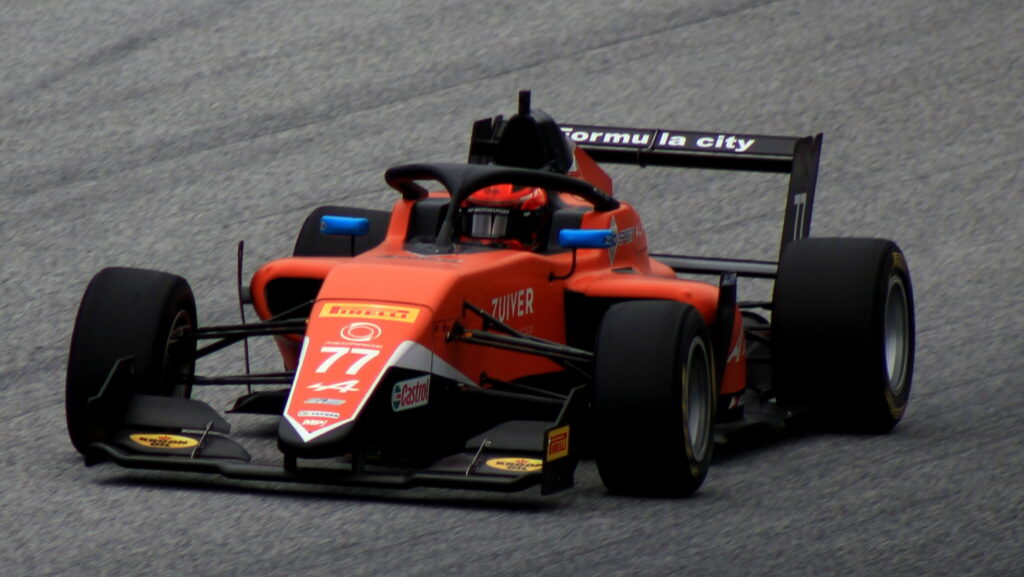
[
  {"x": 642, "y": 445},
  {"x": 893, "y": 267},
  {"x": 698, "y": 344}
]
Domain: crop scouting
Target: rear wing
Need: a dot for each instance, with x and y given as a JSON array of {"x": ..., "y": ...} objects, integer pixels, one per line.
[{"x": 797, "y": 156}]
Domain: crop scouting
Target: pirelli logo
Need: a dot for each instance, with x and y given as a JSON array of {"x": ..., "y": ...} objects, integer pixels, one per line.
[
  {"x": 558, "y": 443},
  {"x": 368, "y": 311},
  {"x": 898, "y": 261}
]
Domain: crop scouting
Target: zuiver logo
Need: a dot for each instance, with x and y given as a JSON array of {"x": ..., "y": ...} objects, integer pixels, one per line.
[{"x": 513, "y": 305}]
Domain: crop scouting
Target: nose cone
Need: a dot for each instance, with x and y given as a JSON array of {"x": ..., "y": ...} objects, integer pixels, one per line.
[
  {"x": 346, "y": 354},
  {"x": 337, "y": 441}
]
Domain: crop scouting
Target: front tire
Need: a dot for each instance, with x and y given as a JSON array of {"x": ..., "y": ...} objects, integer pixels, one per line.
[
  {"x": 654, "y": 399},
  {"x": 843, "y": 331},
  {"x": 126, "y": 312}
]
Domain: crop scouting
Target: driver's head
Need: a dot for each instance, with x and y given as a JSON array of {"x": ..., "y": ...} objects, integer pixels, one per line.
[{"x": 505, "y": 215}]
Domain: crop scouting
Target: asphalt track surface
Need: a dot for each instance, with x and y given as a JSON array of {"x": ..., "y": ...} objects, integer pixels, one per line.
[{"x": 158, "y": 134}]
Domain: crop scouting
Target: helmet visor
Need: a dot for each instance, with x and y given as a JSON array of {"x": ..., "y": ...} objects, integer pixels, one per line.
[{"x": 487, "y": 222}]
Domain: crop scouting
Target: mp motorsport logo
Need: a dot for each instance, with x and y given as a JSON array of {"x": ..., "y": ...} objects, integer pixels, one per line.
[{"x": 361, "y": 332}]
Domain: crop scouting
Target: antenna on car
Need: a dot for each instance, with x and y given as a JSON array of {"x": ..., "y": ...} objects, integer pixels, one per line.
[{"x": 524, "y": 102}]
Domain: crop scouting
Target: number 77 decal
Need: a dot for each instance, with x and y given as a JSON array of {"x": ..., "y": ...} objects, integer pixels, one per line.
[{"x": 336, "y": 353}]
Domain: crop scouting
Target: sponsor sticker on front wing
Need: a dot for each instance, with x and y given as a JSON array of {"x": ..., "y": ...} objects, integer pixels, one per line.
[
  {"x": 162, "y": 441},
  {"x": 515, "y": 464},
  {"x": 410, "y": 393},
  {"x": 558, "y": 443}
]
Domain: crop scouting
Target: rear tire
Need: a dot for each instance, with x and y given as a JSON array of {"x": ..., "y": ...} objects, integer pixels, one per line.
[
  {"x": 843, "y": 331},
  {"x": 654, "y": 399},
  {"x": 311, "y": 242},
  {"x": 136, "y": 313}
]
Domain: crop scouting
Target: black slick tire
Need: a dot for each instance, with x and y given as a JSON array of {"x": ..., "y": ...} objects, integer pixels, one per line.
[
  {"x": 654, "y": 399},
  {"x": 843, "y": 332},
  {"x": 126, "y": 312}
]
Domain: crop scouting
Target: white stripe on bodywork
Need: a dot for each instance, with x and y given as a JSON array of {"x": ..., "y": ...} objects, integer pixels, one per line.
[{"x": 408, "y": 355}]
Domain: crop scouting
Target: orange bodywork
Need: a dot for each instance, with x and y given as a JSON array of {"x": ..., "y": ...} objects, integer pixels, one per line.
[{"x": 374, "y": 304}]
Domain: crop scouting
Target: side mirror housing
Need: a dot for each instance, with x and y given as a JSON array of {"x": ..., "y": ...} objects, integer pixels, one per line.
[
  {"x": 344, "y": 225},
  {"x": 587, "y": 238}
]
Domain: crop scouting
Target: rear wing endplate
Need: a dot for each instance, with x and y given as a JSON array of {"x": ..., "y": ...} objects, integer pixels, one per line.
[{"x": 797, "y": 156}]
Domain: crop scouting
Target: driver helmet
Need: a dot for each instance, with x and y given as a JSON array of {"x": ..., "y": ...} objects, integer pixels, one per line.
[{"x": 505, "y": 215}]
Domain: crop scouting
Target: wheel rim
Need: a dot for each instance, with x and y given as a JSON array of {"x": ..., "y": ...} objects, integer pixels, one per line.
[
  {"x": 897, "y": 335},
  {"x": 179, "y": 366},
  {"x": 696, "y": 391}
]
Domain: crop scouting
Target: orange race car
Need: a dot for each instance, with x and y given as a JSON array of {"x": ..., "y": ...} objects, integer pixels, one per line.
[{"x": 502, "y": 321}]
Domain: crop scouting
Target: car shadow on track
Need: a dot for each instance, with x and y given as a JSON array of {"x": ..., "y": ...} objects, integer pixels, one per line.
[
  {"x": 749, "y": 442},
  {"x": 446, "y": 498}
]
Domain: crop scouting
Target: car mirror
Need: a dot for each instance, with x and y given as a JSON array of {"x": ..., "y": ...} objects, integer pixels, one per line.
[
  {"x": 344, "y": 225},
  {"x": 586, "y": 238}
]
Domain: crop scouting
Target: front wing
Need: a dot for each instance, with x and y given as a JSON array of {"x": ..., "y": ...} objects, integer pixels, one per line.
[{"x": 177, "y": 434}]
